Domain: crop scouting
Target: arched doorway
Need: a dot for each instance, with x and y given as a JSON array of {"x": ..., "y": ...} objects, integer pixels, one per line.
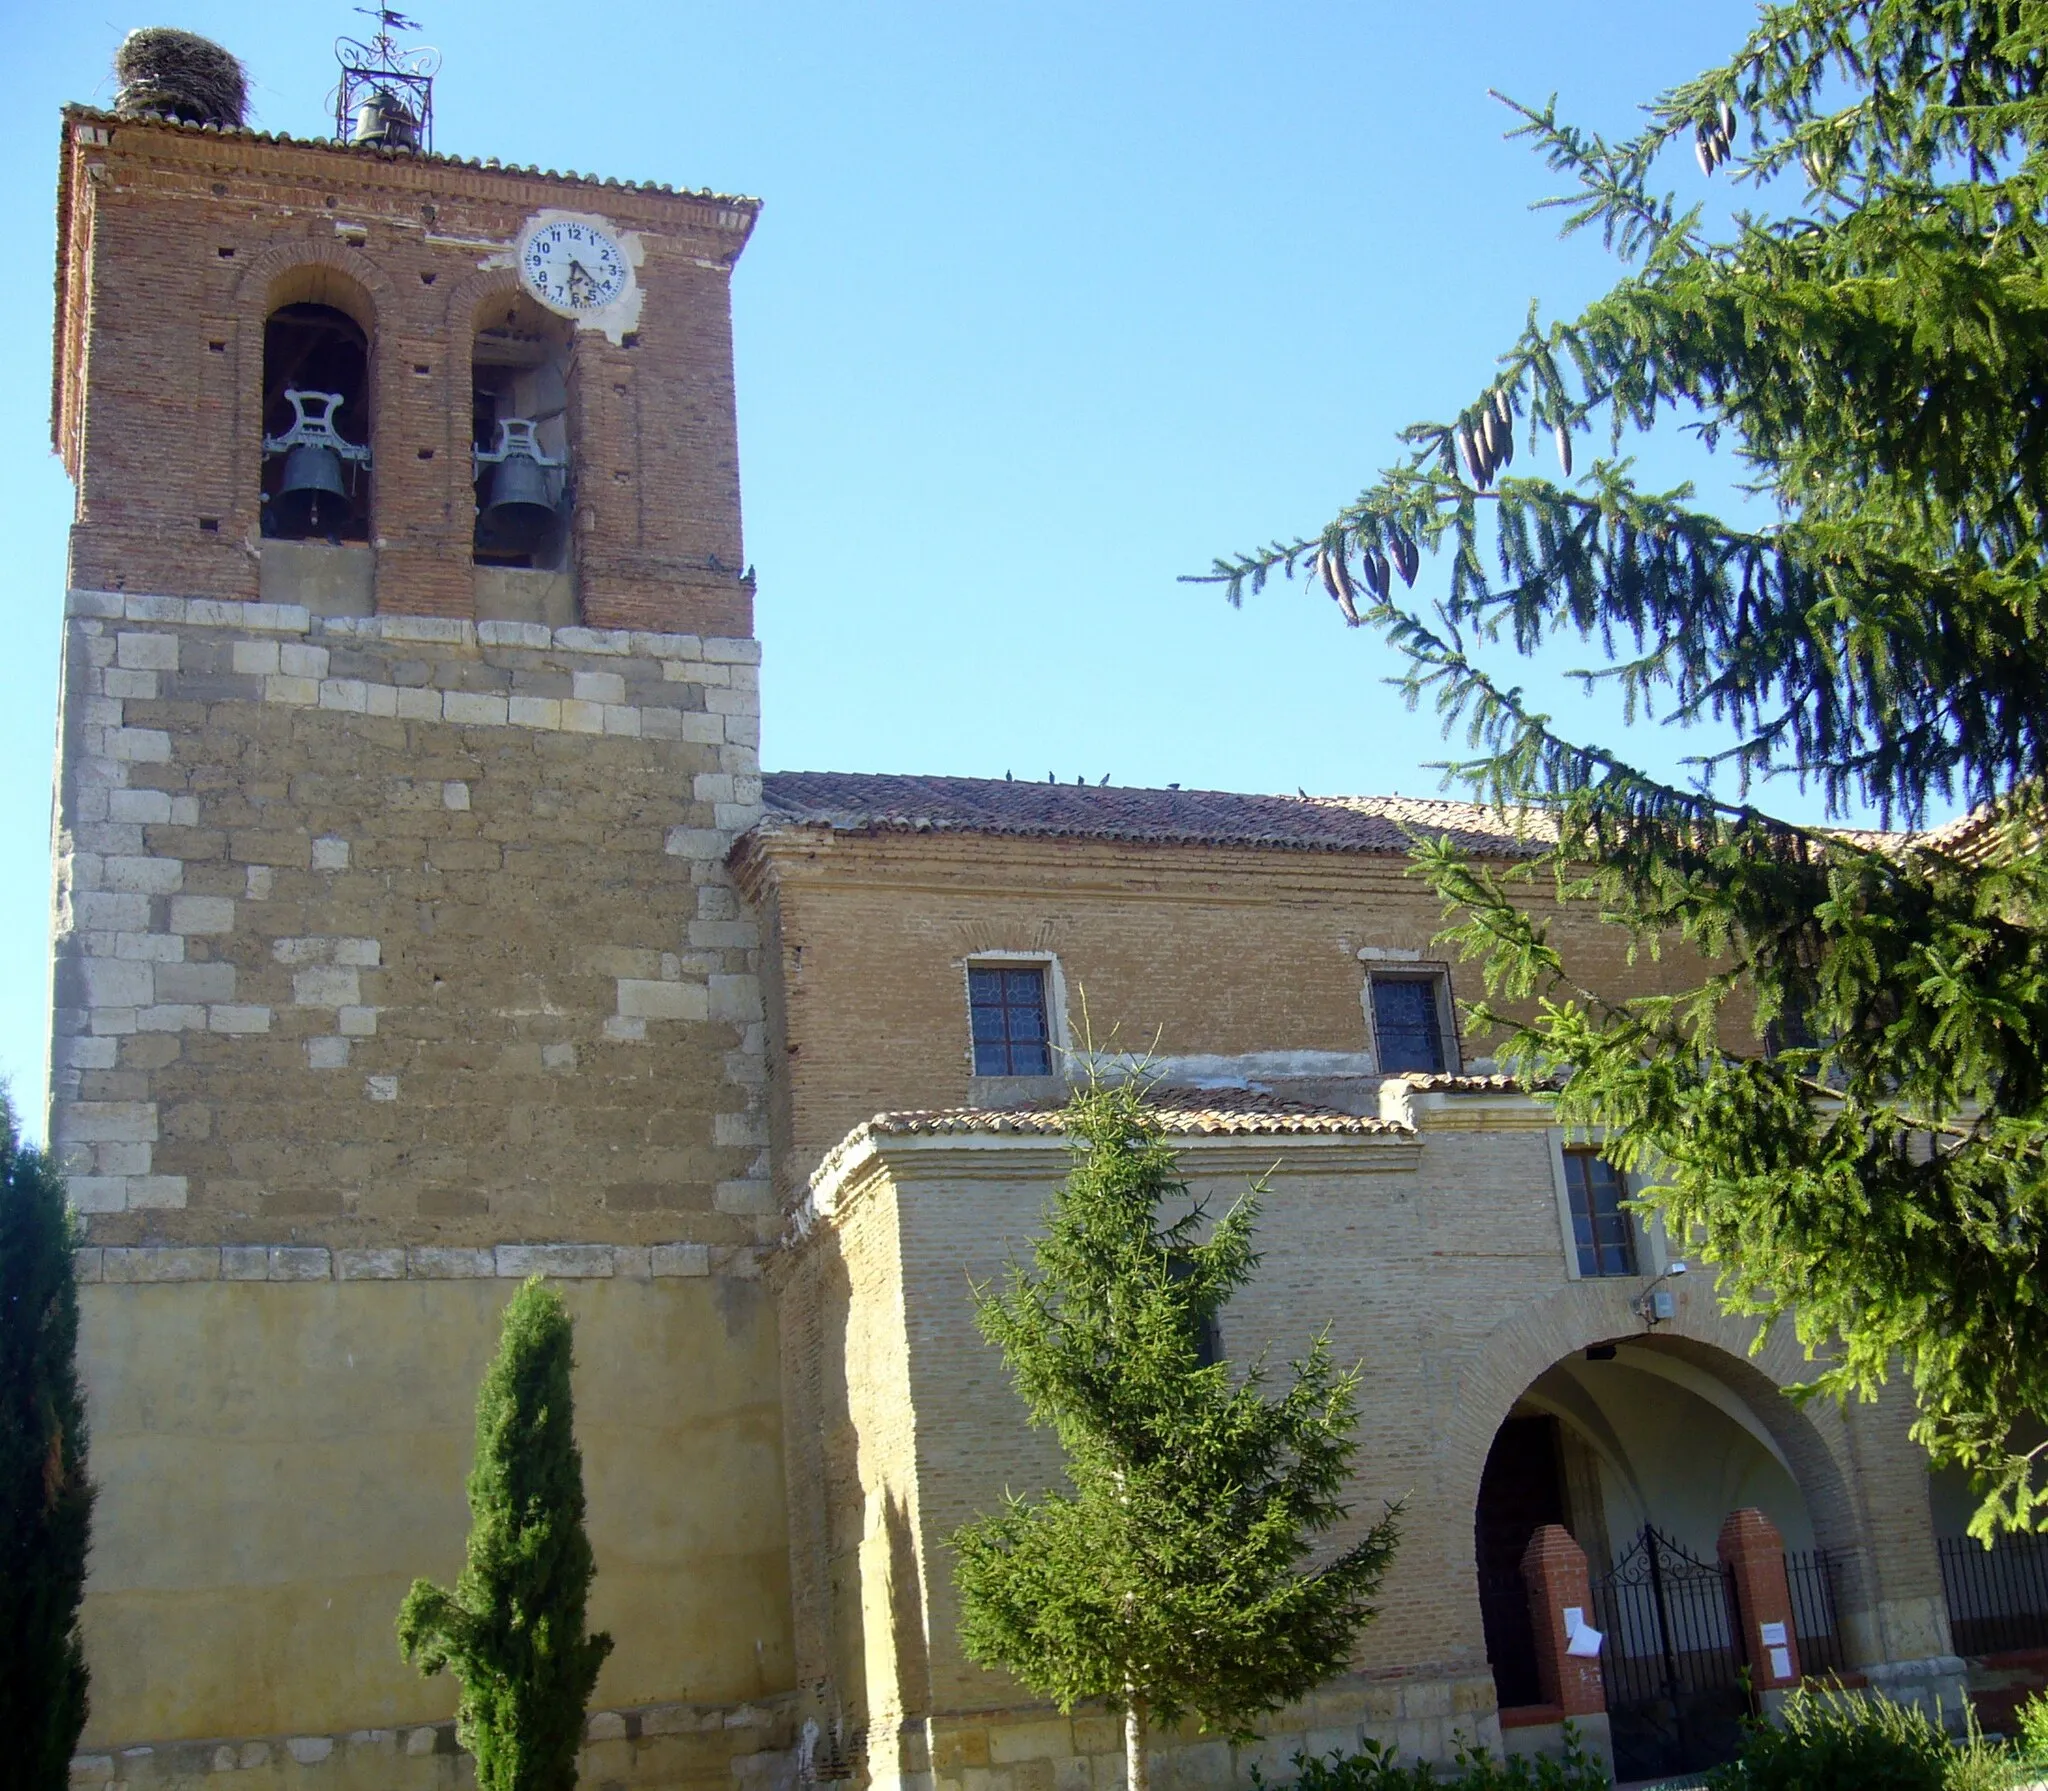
[{"x": 1640, "y": 1453}]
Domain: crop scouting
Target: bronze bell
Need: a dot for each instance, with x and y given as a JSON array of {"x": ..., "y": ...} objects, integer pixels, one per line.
[
  {"x": 311, "y": 497},
  {"x": 521, "y": 508},
  {"x": 383, "y": 119}
]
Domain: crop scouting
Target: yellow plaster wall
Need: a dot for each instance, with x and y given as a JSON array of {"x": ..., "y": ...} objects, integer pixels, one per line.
[
  {"x": 278, "y": 1461},
  {"x": 1439, "y": 1265}
]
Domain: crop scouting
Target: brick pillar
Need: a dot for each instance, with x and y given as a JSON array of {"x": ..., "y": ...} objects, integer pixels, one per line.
[
  {"x": 1554, "y": 1571},
  {"x": 1752, "y": 1548}
]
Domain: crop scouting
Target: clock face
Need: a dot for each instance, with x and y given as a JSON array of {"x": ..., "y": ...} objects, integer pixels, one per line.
[{"x": 573, "y": 267}]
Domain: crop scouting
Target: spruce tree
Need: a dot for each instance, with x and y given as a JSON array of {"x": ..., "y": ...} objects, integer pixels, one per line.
[
  {"x": 1848, "y": 1101},
  {"x": 512, "y": 1630},
  {"x": 1170, "y": 1582},
  {"x": 45, "y": 1497}
]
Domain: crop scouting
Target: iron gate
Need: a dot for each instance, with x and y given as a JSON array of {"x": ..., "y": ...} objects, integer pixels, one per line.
[{"x": 1672, "y": 1659}]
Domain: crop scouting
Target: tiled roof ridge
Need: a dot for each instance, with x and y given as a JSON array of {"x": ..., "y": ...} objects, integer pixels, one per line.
[
  {"x": 431, "y": 158},
  {"x": 876, "y": 802},
  {"x": 1212, "y": 1111},
  {"x": 1978, "y": 833},
  {"x": 890, "y": 802},
  {"x": 1457, "y": 1082}
]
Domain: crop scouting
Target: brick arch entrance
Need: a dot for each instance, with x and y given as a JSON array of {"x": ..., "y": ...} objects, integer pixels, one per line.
[
  {"x": 1554, "y": 1454},
  {"x": 1810, "y": 1439}
]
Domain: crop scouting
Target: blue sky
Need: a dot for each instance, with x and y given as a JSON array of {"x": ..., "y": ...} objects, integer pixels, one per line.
[{"x": 1049, "y": 304}]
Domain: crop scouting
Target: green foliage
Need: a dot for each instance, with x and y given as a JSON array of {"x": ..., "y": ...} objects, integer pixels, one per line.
[
  {"x": 45, "y": 1497},
  {"x": 1839, "y": 1741},
  {"x": 512, "y": 1630},
  {"x": 2032, "y": 1717},
  {"x": 1827, "y": 1739},
  {"x": 1873, "y": 352},
  {"x": 1171, "y": 1579},
  {"x": 1377, "y": 1767}
]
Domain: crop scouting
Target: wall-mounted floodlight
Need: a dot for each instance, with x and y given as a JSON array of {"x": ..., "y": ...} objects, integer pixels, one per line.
[{"x": 1658, "y": 1302}]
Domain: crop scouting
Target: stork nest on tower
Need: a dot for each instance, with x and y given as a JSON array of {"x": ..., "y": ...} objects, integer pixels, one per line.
[{"x": 180, "y": 75}]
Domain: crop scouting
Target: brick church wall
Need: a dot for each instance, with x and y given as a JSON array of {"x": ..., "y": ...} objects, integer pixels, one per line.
[{"x": 175, "y": 245}]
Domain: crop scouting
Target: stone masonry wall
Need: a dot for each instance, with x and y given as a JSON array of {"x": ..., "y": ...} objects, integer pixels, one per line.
[
  {"x": 398, "y": 931},
  {"x": 850, "y": 1425},
  {"x": 662, "y": 1747}
]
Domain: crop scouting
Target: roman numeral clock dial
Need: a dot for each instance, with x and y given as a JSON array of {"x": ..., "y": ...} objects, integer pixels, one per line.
[{"x": 573, "y": 267}]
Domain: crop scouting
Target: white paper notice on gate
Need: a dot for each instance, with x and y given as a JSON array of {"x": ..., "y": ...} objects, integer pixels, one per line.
[
  {"x": 1781, "y": 1663},
  {"x": 1581, "y": 1638}
]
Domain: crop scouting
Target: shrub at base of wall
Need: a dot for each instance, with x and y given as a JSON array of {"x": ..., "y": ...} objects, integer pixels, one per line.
[{"x": 1377, "y": 1766}]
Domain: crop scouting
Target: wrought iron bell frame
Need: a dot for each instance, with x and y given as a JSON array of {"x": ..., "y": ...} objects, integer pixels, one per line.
[
  {"x": 313, "y": 431},
  {"x": 517, "y": 441},
  {"x": 384, "y": 80}
]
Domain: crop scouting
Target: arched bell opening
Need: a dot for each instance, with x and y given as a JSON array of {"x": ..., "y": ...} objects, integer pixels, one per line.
[
  {"x": 519, "y": 386},
  {"x": 316, "y": 423}
]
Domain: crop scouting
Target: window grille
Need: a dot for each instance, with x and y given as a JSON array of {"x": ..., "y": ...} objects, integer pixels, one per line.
[
  {"x": 1407, "y": 1026},
  {"x": 1006, "y": 1005},
  {"x": 1602, "y": 1232}
]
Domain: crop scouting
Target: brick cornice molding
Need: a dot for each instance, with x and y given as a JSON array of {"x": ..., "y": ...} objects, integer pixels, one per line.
[{"x": 813, "y": 856}]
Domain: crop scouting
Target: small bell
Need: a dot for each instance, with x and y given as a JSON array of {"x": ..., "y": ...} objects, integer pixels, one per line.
[
  {"x": 523, "y": 503},
  {"x": 521, "y": 508},
  {"x": 383, "y": 119},
  {"x": 311, "y": 496}
]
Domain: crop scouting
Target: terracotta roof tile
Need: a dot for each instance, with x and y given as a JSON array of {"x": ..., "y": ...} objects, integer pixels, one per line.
[
  {"x": 1440, "y": 1082},
  {"x": 1211, "y": 1112},
  {"x": 1182, "y": 1113},
  {"x": 872, "y": 802},
  {"x": 860, "y": 802}
]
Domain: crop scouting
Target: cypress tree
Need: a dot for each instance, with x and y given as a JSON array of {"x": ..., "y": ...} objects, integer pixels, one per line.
[
  {"x": 1170, "y": 1582},
  {"x": 512, "y": 1629},
  {"x": 45, "y": 1497},
  {"x": 1845, "y": 1099}
]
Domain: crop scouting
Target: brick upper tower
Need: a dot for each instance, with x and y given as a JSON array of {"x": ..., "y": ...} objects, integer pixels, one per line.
[
  {"x": 195, "y": 262},
  {"x": 410, "y": 709}
]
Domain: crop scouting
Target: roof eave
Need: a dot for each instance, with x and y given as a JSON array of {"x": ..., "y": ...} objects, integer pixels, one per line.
[
  {"x": 78, "y": 112},
  {"x": 868, "y": 1156}
]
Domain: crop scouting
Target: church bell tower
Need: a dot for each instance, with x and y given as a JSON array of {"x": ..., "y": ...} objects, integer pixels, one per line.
[{"x": 410, "y": 708}]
